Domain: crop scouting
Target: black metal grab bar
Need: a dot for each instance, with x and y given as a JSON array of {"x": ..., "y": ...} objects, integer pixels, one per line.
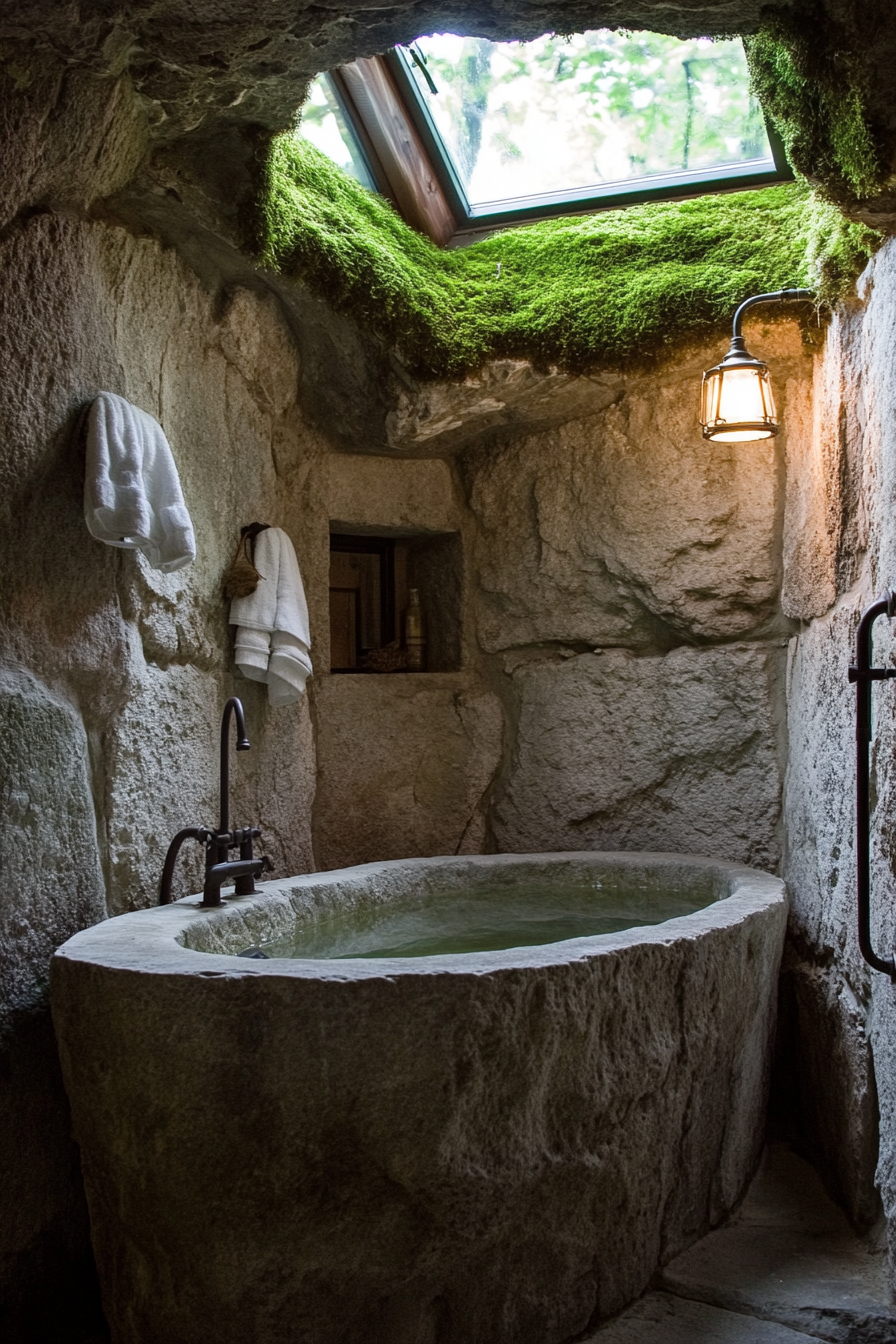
[{"x": 863, "y": 674}]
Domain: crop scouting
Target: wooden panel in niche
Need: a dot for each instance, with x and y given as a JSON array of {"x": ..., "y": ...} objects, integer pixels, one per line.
[
  {"x": 343, "y": 629},
  {"x": 370, "y": 582},
  {"x": 362, "y": 601}
]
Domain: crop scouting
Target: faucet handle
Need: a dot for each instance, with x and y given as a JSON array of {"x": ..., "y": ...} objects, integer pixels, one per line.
[
  {"x": 244, "y": 834},
  {"x": 217, "y": 847}
]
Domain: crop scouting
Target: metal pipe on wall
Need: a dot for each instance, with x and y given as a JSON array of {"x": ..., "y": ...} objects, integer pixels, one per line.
[{"x": 863, "y": 674}]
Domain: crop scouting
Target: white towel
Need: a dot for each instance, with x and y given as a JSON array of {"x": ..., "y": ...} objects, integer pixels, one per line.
[
  {"x": 273, "y": 641},
  {"x": 132, "y": 494}
]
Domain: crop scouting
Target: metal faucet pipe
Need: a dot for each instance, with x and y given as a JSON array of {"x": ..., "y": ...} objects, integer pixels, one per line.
[
  {"x": 863, "y": 674},
  {"x": 219, "y": 873},
  {"x": 201, "y": 833},
  {"x": 234, "y": 706}
]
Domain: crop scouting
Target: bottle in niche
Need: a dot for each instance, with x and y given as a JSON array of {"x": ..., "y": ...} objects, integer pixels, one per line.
[{"x": 413, "y": 632}]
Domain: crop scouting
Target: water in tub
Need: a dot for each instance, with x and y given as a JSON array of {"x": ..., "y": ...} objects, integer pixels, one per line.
[{"x": 489, "y": 917}]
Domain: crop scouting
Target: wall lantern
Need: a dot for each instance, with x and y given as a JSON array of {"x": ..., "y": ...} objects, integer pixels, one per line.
[{"x": 736, "y": 402}]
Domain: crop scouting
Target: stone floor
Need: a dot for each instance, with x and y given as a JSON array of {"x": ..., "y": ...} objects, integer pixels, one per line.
[{"x": 787, "y": 1269}]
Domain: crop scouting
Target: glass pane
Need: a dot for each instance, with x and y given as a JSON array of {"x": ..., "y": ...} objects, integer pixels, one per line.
[
  {"x": 321, "y": 121},
  {"x": 562, "y": 113}
]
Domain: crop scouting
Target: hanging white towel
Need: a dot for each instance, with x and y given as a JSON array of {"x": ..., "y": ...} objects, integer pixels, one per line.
[
  {"x": 132, "y": 494},
  {"x": 273, "y": 641}
]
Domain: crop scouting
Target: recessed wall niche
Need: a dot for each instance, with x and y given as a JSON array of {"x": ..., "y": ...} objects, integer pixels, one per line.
[{"x": 372, "y": 574}]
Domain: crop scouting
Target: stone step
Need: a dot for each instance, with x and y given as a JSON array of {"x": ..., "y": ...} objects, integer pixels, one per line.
[
  {"x": 788, "y": 1267},
  {"x": 813, "y": 1284},
  {"x": 660, "y": 1318},
  {"x": 790, "y": 1256}
]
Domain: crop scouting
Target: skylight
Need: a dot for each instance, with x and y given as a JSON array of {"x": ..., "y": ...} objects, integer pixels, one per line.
[
  {"x": 575, "y": 114},
  {"x": 328, "y": 126},
  {"x": 464, "y": 133}
]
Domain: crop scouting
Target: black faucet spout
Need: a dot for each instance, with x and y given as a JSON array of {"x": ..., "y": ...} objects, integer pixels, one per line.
[
  {"x": 219, "y": 873},
  {"x": 233, "y": 706}
]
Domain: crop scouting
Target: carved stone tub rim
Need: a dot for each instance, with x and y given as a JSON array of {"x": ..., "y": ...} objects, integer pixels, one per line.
[{"x": 156, "y": 940}]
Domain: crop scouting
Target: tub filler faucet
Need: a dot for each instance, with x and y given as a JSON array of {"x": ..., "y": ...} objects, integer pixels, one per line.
[{"x": 218, "y": 844}]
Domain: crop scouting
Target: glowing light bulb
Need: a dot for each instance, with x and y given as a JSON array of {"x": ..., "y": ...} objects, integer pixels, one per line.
[{"x": 738, "y": 405}]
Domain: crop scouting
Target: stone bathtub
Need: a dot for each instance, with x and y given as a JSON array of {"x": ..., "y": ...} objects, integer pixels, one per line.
[{"x": 493, "y": 1147}]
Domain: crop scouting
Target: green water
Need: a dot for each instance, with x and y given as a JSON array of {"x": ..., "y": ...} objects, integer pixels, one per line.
[{"x": 489, "y": 918}]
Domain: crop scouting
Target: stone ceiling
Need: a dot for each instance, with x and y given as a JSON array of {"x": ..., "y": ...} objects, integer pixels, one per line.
[
  {"x": 195, "y": 61},
  {"x": 210, "y": 79}
]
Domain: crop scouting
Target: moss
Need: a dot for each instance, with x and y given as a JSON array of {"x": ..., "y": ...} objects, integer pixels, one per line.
[
  {"x": 812, "y": 84},
  {"x": 604, "y": 289}
]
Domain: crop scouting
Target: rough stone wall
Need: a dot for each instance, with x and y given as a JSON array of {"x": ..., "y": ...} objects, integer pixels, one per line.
[
  {"x": 112, "y": 676},
  {"x": 625, "y": 584},
  {"x": 405, "y": 763},
  {"x": 840, "y": 551},
  {"x": 623, "y": 644},
  {"x": 665, "y": 752}
]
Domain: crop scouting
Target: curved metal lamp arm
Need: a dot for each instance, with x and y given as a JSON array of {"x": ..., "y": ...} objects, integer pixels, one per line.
[
  {"x": 779, "y": 296},
  {"x": 863, "y": 674}
]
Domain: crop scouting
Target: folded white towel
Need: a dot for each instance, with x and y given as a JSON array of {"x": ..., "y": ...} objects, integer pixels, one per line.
[
  {"x": 132, "y": 494},
  {"x": 273, "y": 641}
]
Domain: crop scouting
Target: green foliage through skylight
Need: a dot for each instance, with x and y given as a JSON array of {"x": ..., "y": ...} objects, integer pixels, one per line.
[{"x": 595, "y": 107}]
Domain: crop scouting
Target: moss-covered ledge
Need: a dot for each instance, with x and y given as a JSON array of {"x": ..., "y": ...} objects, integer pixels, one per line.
[
  {"x": 605, "y": 290},
  {"x": 813, "y": 78}
]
